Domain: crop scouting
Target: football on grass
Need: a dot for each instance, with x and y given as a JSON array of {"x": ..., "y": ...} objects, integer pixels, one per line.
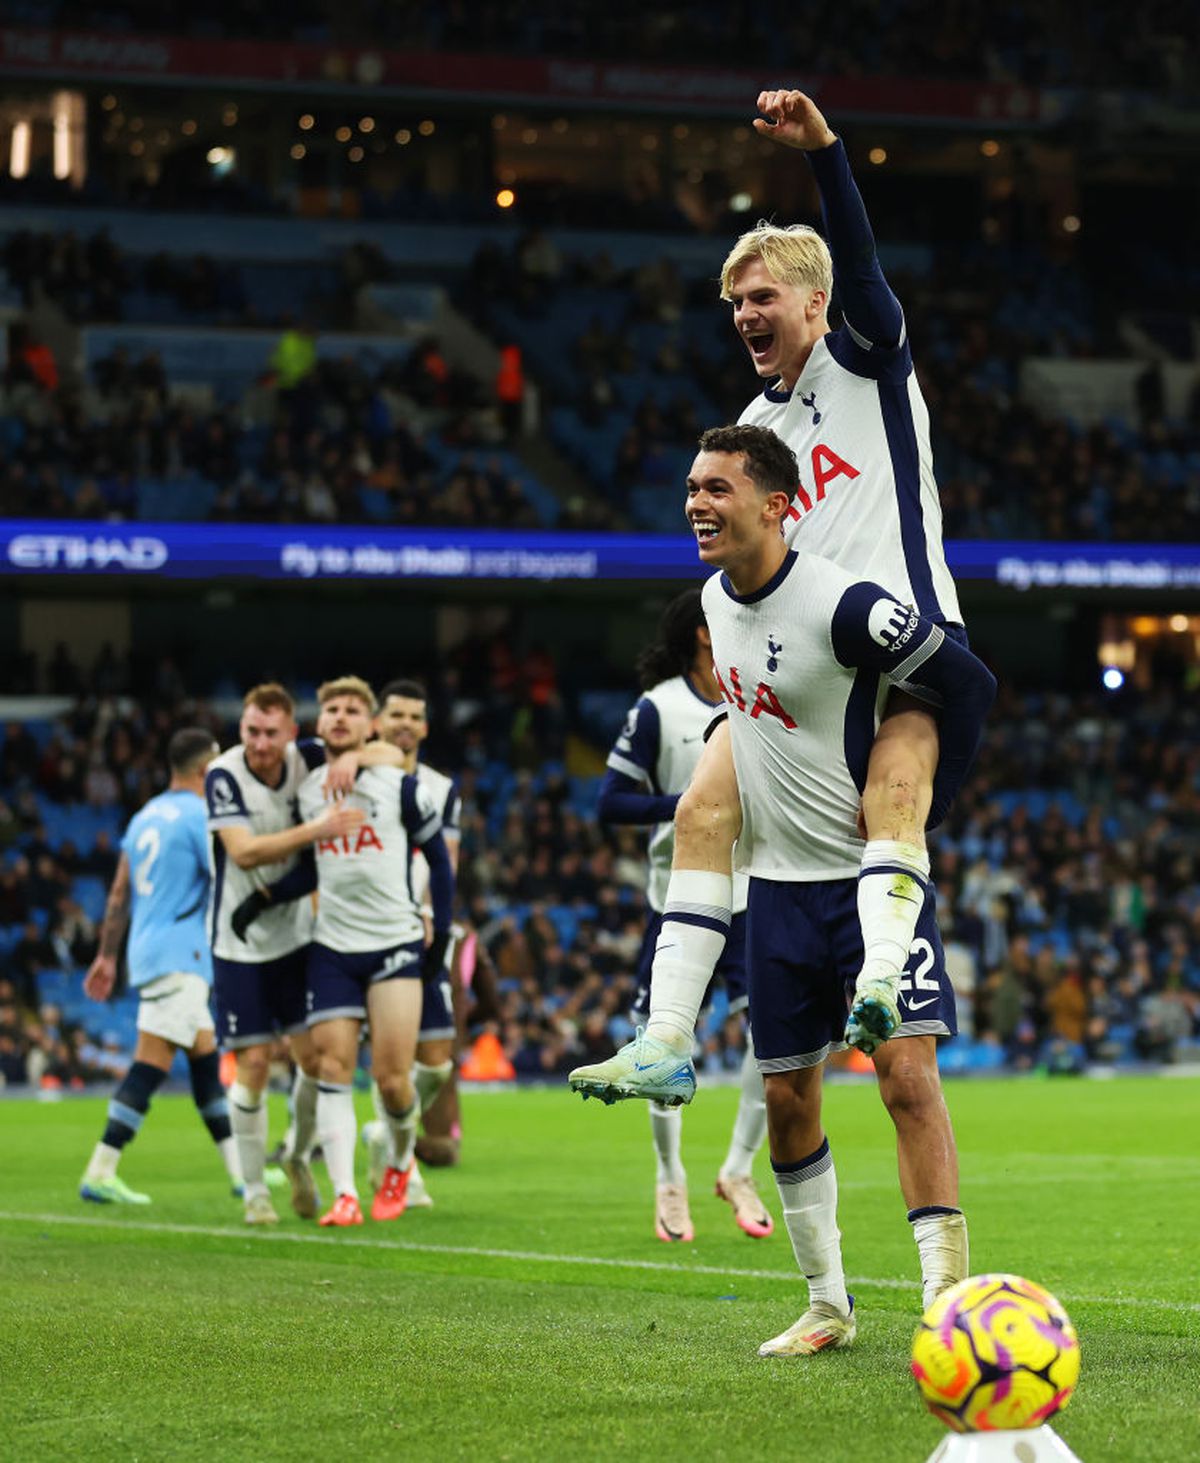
[{"x": 995, "y": 1351}]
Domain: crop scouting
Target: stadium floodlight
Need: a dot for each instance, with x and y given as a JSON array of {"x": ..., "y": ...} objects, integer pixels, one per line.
[{"x": 1112, "y": 678}]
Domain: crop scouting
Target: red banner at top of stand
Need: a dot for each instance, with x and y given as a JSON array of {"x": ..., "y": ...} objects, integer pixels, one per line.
[{"x": 630, "y": 86}]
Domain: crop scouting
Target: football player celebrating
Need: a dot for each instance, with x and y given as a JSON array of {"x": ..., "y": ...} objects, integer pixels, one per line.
[
  {"x": 260, "y": 972},
  {"x": 804, "y": 654},
  {"x": 848, "y": 404},
  {"x": 369, "y": 956},
  {"x": 648, "y": 768},
  {"x": 403, "y": 722}
]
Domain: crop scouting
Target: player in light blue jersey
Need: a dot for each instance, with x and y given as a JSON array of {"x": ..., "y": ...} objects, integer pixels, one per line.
[{"x": 160, "y": 893}]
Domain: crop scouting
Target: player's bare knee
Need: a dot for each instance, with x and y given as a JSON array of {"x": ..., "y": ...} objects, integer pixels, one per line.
[
  {"x": 331, "y": 1065},
  {"x": 793, "y": 1107},
  {"x": 704, "y": 822},
  {"x": 910, "y": 1090},
  {"x": 396, "y": 1090},
  {"x": 253, "y": 1068}
]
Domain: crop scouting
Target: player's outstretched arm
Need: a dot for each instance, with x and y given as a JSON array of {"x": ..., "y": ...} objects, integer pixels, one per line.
[
  {"x": 869, "y": 307},
  {"x": 102, "y": 973},
  {"x": 249, "y": 850},
  {"x": 623, "y": 801}
]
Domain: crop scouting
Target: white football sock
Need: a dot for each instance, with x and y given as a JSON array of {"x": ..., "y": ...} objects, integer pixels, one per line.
[
  {"x": 404, "y": 1135},
  {"x": 666, "y": 1128},
  {"x": 750, "y": 1125},
  {"x": 892, "y": 880},
  {"x": 248, "y": 1119},
  {"x": 694, "y": 930},
  {"x": 232, "y": 1160},
  {"x": 429, "y": 1081},
  {"x": 941, "y": 1236},
  {"x": 103, "y": 1162},
  {"x": 808, "y": 1190},
  {"x": 382, "y": 1126},
  {"x": 302, "y": 1131},
  {"x": 337, "y": 1128}
]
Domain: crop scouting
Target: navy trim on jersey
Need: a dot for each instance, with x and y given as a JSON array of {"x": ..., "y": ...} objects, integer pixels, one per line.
[
  {"x": 218, "y": 885},
  {"x": 312, "y": 749},
  {"x": 644, "y": 740},
  {"x": 869, "y": 362},
  {"x": 896, "y": 406},
  {"x": 703, "y": 700},
  {"x": 778, "y": 396},
  {"x": 858, "y": 729},
  {"x": 896, "y": 648},
  {"x": 228, "y": 806},
  {"x": 769, "y": 587}
]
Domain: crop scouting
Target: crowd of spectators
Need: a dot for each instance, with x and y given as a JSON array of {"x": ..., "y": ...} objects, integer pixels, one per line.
[
  {"x": 651, "y": 364},
  {"x": 410, "y": 442},
  {"x": 1050, "y": 44},
  {"x": 1068, "y": 873}
]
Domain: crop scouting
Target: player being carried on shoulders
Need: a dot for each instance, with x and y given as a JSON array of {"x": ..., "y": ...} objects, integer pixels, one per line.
[
  {"x": 847, "y": 402},
  {"x": 804, "y": 654}
]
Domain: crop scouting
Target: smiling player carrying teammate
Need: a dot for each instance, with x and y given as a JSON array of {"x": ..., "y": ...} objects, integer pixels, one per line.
[{"x": 847, "y": 402}]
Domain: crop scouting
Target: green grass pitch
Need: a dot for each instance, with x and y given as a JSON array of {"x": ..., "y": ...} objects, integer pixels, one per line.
[{"x": 532, "y": 1314}]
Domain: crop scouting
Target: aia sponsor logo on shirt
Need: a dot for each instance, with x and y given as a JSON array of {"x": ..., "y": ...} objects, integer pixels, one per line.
[
  {"x": 825, "y": 467},
  {"x": 356, "y": 841},
  {"x": 762, "y": 701}
]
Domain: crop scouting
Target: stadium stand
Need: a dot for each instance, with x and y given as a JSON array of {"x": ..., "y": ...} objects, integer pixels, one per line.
[{"x": 1068, "y": 874}]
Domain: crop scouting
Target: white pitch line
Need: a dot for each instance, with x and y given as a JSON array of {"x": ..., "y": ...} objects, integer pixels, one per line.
[{"x": 95, "y": 1221}]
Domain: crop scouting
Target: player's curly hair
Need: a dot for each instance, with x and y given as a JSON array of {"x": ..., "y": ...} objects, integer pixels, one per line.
[
  {"x": 674, "y": 647},
  {"x": 796, "y": 255},
  {"x": 770, "y": 463},
  {"x": 347, "y": 686}
]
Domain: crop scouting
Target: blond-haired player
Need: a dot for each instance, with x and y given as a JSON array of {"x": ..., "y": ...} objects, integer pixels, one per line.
[
  {"x": 369, "y": 956},
  {"x": 846, "y": 401},
  {"x": 259, "y": 972}
]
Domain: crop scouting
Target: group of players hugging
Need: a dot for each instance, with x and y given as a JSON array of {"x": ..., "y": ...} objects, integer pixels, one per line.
[
  {"x": 806, "y": 717},
  {"x": 218, "y": 873}
]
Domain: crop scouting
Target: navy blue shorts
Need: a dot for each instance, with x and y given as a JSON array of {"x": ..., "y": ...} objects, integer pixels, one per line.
[
  {"x": 437, "y": 1007},
  {"x": 338, "y": 983},
  {"x": 804, "y": 949},
  {"x": 731, "y": 968},
  {"x": 257, "y": 1002}
]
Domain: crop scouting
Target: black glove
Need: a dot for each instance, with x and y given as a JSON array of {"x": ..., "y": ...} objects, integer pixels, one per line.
[
  {"x": 248, "y": 911},
  {"x": 434, "y": 960}
]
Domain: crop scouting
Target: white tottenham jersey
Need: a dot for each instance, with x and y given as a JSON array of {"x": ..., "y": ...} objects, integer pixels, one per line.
[
  {"x": 238, "y": 799},
  {"x": 659, "y": 747},
  {"x": 804, "y": 665},
  {"x": 445, "y": 799},
  {"x": 867, "y": 497},
  {"x": 364, "y": 877}
]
